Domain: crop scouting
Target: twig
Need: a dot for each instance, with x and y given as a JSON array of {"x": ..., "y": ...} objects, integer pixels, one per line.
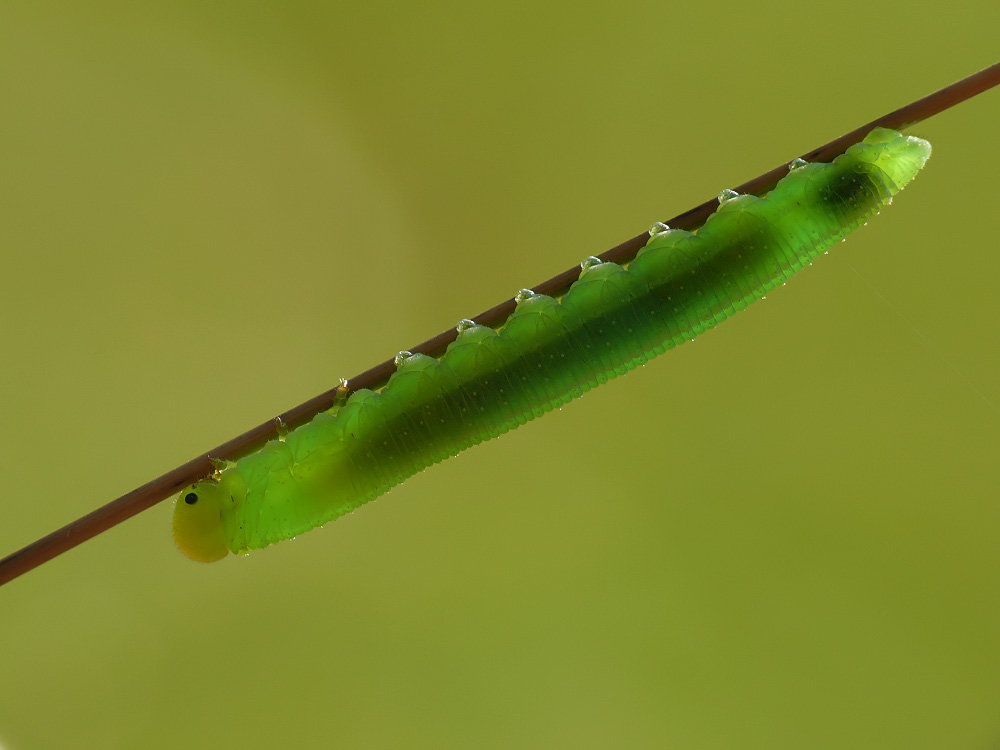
[{"x": 173, "y": 481}]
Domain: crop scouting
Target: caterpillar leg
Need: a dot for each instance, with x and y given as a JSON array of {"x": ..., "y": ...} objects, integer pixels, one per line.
[
  {"x": 340, "y": 396},
  {"x": 220, "y": 464}
]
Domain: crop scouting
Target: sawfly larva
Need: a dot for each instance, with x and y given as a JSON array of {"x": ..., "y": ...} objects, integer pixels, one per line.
[{"x": 549, "y": 351}]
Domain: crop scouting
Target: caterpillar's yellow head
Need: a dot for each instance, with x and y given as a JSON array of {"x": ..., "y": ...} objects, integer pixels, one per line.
[{"x": 198, "y": 529}]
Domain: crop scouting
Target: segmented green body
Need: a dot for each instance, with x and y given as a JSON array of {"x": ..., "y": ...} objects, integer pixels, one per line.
[{"x": 550, "y": 350}]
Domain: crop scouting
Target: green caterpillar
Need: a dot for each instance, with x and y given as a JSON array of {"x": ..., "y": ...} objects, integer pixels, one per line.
[{"x": 548, "y": 352}]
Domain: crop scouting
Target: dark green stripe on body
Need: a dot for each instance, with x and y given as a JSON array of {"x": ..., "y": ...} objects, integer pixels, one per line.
[{"x": 611, "y": 320}]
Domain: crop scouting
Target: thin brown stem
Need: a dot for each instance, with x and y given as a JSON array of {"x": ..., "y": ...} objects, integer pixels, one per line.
[{"x": 163, "y": 487}]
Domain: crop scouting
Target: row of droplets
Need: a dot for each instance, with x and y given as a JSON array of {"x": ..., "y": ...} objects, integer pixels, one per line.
[
  {"x": 725, "y": 196},
  {"x": 655, "y": 230}
]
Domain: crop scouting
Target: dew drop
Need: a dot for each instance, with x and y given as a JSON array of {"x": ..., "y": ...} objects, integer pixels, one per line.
[
  {"x": 401, "y": 357},
  {"x": 727, "y": 195},
  {"x": 796, "y": 164},
  {"x": 658, "y": 228},
  {"x": 590, "y": 262},
  {"x": 522, "y": 295},
  {"x": 464, "y": 325}
]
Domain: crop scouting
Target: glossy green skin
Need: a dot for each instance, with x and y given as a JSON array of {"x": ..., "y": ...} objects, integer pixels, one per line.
[{"x": 550, "y": 351}]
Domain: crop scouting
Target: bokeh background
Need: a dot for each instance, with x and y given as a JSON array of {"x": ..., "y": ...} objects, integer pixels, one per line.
[{"x": 780, "y": 536}]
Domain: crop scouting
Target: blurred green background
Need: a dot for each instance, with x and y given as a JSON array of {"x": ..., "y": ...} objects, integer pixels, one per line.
[{"x": 780, "y": 536}]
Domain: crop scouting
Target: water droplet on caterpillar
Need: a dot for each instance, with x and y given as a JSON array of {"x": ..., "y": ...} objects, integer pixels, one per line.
[
  {"x": 401, "y": 357},
  {"x": 590, "y": 262},
  {"x": 522, "y": 295},
  {"x": 727, "y": 195},
  {"x": 658, "y": 228},
  {"x": 796, "y": 164},
  {"x": 464, "y": 325}
]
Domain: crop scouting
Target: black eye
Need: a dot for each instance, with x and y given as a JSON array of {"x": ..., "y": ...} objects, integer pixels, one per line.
[{"x": 190, "y": 498}]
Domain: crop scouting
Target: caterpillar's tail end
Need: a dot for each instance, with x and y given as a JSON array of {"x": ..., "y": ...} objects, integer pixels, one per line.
[
  {"x": 899, "y": 156},
  {"x": 198, "y": 530}
]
